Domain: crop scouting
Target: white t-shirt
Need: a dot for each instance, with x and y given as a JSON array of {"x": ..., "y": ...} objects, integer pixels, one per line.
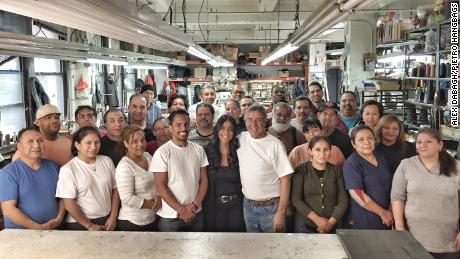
[
  {"x": 183, "y": 166},
  {"x": 134, "y": 185},
  {"x": 262, "y": 162},
  {"x": 90, "y": 184}
]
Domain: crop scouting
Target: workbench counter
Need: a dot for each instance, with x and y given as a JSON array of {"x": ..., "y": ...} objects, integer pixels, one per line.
[{"x": 83, "y": 244}]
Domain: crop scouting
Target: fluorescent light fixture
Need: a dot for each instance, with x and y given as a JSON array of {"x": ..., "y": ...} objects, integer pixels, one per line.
[
  {"x": 286, "y": 49},
  {"x": 104, "y": 61},
  {"x": 265, "y": 81},
  {"x": 400, "y": 57},
  {"x": 220, "y": 62},
  {"x": 335, "y": 52},
  {"x": 146, "y": 66},
  {"x": 198, "y": 53}
]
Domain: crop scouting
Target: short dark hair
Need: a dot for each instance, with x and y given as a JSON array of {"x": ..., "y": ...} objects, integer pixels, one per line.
[
  {"x": 84, "y": 107},
  {"x": 302, "y": 98},
  {"x": 206, "y": 105},
  {"x": 113, "y": 109},
  {"x": 80, "y": 134},
  {"x": 316, "y": 83},
  {"x": 134, "y": 95},
  {"x": 310, "y": 124},
  {"x": 372, "y": 102},
  {"x": 24, "y": 130},
  {"x": 175, "y": 113},
  {"x": 159, "y": 119},
  {"x": 358, "y": 129},
  {"x": 256, "y": 108},
  {"x": 176, "y": 96},
  {"x": 317, "y": 139},
  {"x": 349, "y": 92}
]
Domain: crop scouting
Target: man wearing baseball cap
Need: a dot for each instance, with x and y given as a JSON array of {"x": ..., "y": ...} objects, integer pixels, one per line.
[
  {"x": 327, "y": 115},
  {"x": 57, "y": 148}
]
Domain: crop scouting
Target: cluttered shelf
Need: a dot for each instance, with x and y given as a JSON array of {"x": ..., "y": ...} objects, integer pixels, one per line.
[
  {"x": 427, "y": 78},
  {"x": 275, "y": 79},
  {"x": 419, "y": 103},
  {"x": 190, "y": 79}
]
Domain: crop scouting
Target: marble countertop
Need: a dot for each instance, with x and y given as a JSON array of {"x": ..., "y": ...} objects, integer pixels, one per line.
[{"x": 82, "y": 244}]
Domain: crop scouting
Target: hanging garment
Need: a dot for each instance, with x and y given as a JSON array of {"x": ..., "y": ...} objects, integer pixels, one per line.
[
  {"x": 297, "y": 89},
  {"x": 111, "y": 97},
  {"x": 38, "y": 94}
]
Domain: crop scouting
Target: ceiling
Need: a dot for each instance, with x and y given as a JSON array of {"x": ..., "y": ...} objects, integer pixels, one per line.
[{"x": 252, "y": 21}]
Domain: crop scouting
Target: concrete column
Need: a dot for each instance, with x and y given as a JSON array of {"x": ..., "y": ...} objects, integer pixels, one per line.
[
  {"x": 317, "y": 64},
  {"x": 359, "y": 39}
]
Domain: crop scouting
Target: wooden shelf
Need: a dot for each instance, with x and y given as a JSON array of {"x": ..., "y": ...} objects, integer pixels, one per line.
[
  {"x": 275, "y": 64},
  {"x": 268, "y": 79},
  {"x": 191, "y": 79}
]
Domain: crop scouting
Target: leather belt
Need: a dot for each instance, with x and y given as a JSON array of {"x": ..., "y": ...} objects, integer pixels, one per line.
[
  {"x": 227, "y": 198},
  {"x": 264, "y": 203}
]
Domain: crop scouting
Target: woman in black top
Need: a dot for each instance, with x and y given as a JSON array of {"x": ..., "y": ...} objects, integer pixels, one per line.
[
  {"x": 223, "y": 205},
  {"x": 389, "y": 134}
]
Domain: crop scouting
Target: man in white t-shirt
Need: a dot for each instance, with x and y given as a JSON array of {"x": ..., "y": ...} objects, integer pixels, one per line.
[
  {"x": 265, "y": 175},
  {"x": 180, "y": 178}
]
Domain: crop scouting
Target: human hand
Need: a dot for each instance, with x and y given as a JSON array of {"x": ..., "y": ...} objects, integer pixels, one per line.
[
  {"x": 96, "y": 227},
  {"x": 387, "y": 217},
  {"x": 110, "y": 224},
  {"x": 186, "y": 213},
  {"x": 52, "y": 224},
  {"x": 323, "y": 224},
  {"x": 156, "y": 203},
  {"x": 457, "y": 242},
  {"x": 278, "y": 222}
]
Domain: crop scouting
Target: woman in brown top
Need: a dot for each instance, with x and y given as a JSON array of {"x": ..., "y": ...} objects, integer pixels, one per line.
[{"x": 318, "y": 191}]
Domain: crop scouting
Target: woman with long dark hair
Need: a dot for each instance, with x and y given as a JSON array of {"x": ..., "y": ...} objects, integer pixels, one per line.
[
  {"x": 223, "y": 204},
  {"x": 87, "y": 185},
  {"x": 318, "y": 191},
  {"x": 425, "y": 196},
  {"x": 136, "y": 187}
]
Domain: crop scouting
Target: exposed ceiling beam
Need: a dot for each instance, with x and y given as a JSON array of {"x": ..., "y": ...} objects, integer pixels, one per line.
[{"x": 267, "y": 5}]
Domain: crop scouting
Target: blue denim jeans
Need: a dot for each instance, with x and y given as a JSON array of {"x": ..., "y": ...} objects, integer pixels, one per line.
[
  {"x": 178, "y": 225},
  {"x": 259, "y": 218}
]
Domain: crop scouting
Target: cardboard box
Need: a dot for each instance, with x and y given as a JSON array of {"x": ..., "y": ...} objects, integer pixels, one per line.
[
  {"x": 199, "y": 72},
  {"x": 181, "y": 57},
  {"x": 254, "y": 54},
  {"x": 283, "y": 73},
  {"x": 388, "y": 85},
  {"x": 231, "y": 53}
]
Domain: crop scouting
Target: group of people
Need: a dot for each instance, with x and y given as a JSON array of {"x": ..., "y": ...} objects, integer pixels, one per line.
[{"x": 311, "y": 167}]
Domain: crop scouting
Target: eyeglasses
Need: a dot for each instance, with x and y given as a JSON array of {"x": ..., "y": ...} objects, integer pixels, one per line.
[{"x": 87, "y": 116}]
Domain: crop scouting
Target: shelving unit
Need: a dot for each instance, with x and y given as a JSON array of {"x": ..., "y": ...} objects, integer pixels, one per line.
[
  {"x": 391, "y": 100},
  {"x": 422, "y": 93}
]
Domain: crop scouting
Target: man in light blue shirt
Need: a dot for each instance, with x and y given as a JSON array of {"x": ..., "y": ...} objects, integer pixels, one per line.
[
  {"x": 28, "y": 186},
  {"x": 349, "y": 114}
]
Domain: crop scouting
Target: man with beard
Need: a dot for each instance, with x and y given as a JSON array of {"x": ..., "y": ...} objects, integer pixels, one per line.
[
  {"x": 265, "y": 175},
  {"x": 349, "y": 114},
  {"x": 204, "y": 133},
  {"x": 315, "y": 94},
  {"x": 114, "y": 121},
  {"x": 232, "y": 108},
  {"x": 327, "y": 115},
  {"x": 181, "y": 178},
  {"x": 56, "y": 148},
  {"x": 237, "y": 92},
  {"x": 137, "y": 110},
  {"x": 302, "y": 107},
  {"x": 111, "y": 97},
  {"x": 207, "y": 95},
  {"x": 281, "y": 127}
]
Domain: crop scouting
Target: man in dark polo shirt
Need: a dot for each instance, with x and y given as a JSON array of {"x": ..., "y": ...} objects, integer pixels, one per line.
[
  {"x": 327, "y": 115},
  {"x": 114, "y": 121}
]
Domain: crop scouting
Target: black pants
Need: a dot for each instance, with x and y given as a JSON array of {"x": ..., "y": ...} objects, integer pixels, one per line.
[
  {"x": 229, "y": 220},
  {"x": 126, "y": 225},
  {"x": 77, "y": 226},
  {"x": 454, "y": 255},
  {"x": 178, "y": 225}
]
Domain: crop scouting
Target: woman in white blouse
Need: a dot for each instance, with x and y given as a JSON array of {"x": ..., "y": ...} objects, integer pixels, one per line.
[
  {"x": 87, "y": 185},
  {"x": 136, "y": 187}
]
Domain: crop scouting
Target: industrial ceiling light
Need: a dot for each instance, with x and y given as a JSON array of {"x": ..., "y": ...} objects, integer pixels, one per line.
[
  {"x": 279, "y": 52},
  {"x": 118, "y": 19},
  {"x": 104, "y": 60},
  {"x": 146, "y": 66},
  {"x": 327, "y": 15}
]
